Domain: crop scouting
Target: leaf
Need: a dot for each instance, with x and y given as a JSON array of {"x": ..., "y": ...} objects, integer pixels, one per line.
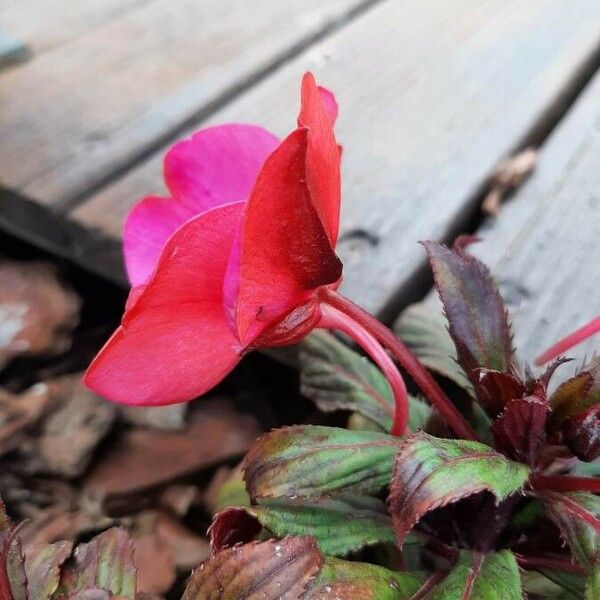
[
  {"x": 577, "y": 394},
  {"x": 43, "y": 566},
  {"x": 106, "y": 562},
  {"x": 336, "y": 377},
  {"x": 424, "y": 330},
  {"x": 495, "y": 389},
  {"x": 477, "y": 318},
  {"x": 519, "y": 432},
  {"x": 582, "y": 434},
  {"x": 13, "y": 581},
  {"x": 312, "y": 461},
  {"x": 431, "y": 472},
  {"x": 481, "y": 577},
  {"x": 361, "y": 581},
  {"x": 573, "y": 513},
  {"x": 339, "y": 525},
  {"x": 570, "y": 585},
  {"x": 271, "y": 570}
]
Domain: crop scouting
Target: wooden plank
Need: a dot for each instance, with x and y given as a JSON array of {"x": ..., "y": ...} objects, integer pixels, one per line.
[
  {"x": 544, "y": 248},
  {"x": 78, "y": 113},
  {"x": 432, "y": 95},
  {"x": 45, "y": 24}
]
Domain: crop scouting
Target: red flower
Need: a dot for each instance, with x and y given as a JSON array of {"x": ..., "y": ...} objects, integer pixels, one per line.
[{"x": 215, "y": 274}]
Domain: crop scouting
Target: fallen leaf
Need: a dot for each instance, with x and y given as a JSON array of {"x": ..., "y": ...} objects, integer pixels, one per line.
[
  {"x": 37, "y": 311},
  {"x": 142, "y": 459}
]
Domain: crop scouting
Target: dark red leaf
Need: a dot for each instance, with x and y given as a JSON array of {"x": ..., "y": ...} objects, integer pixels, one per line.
[
  {"x": 477, "y": 318},
  {"x": 519, "y": 431},
  {"x": 271, "y": 570},
  {"x": 232, "y": 526},
  {"x": 582, "y": 434},
  {"x": 495, "y": 389}
]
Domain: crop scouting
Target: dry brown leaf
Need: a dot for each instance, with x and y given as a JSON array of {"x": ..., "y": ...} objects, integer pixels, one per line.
[
  {"x": 508, "y": 175},
  {"x": 37, "y": 311},
  {"x": 143, "y": 459}
]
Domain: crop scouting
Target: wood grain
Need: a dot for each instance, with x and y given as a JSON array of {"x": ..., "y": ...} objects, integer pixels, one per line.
[
  {"x": 432, "y": 94},
  {"x": 46, "y": 24},
  {"x": 544, "y": 248},
  {"x": 89, "y": 108}
]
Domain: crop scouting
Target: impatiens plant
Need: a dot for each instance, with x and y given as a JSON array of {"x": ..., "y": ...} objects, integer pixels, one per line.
[{"x": 467, "y": 488}]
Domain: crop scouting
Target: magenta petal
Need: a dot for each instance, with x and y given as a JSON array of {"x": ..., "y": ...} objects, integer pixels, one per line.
[
  {"x": 329, "y": 103},
  {"x": 217, "y": 165},
  {"x": 149, "y": 225},
  {"x": 174, "y": 343}
]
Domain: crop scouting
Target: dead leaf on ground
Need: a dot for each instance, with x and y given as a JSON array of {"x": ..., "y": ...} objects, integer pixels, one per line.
[
  {"x": 508, "y": 175},
  {"x": 142, "y": 459},
  {"x": 169, "y": 418},
  {"x": 19, "y": 412},
  {"x": 38, "y": 312}
]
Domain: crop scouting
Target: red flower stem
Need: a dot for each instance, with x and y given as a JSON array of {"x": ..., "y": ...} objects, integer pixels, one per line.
[
  {"x": 565, "y": 483},
  {"x": 332, "y": 318},
  {"x": 578, "y": 336},
  {"x": 406, "y": 358},
  {"x": 548, "y": 562}
]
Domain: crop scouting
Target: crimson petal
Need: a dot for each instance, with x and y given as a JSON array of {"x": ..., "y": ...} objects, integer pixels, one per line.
[
  {"x": 284, "y": 253},
  {"x": 174, "y": 343},
  {"x": 323, "y": 154}
]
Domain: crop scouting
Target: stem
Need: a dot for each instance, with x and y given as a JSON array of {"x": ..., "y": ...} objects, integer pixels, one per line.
[
  {"x": 569, "y": 341},
  {"x": 406, "y": 358},
  {"x": 332, "y": 318},
  {"x": 565, "y": 483},
  {"x": 548, "y": 562}
]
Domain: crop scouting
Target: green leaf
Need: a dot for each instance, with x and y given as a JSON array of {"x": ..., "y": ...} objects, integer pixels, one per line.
[
  {"x": 477, "y": 318},
  {"x": 335, "y": 377},
  {"x": 339, "y": 525},
  {"x": 424, "y": 330},
  {"x": 431, "y": 472},
  {"x": 361, "y": 581},
  {"x": 481, "y": 577},
  {"x": 270, "y": 570},
  {"x": 573, "y": 513},
  {"x": 106, "y": 562},
  {"x": 554, "y": 584},
  {"x": 43, "y": 568},
  {"x": 313, "y": 461}
]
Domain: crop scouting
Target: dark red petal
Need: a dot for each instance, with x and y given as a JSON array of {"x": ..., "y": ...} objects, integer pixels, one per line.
[
  {"x": 284, "y": 253},
  {"x": 322, "y": 156},
  {"x": 174, "y": 343}
]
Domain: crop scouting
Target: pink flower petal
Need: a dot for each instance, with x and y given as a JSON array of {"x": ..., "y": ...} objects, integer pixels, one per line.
[
  {"x": 217, "y": 165},
  {"x": 174, "y": 343},
  {"x": 322, "y": 155},
  {"x": 148, "y": 226},
  {"x": 329, "y": 103},
  {"x": 284, "y": 252}
]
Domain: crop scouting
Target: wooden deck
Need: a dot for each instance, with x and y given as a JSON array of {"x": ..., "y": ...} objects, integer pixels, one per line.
[{"x": 433, "y": 95}]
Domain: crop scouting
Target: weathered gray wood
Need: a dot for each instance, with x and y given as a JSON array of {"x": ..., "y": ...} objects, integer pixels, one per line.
[
  {"x": 45, "y": 24},
  {"x": 432, "y": 94},
  {"x": 77, "y": 114},
  {"x": 12, "y": 50},
  {"x": 544, "y": 248}
]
